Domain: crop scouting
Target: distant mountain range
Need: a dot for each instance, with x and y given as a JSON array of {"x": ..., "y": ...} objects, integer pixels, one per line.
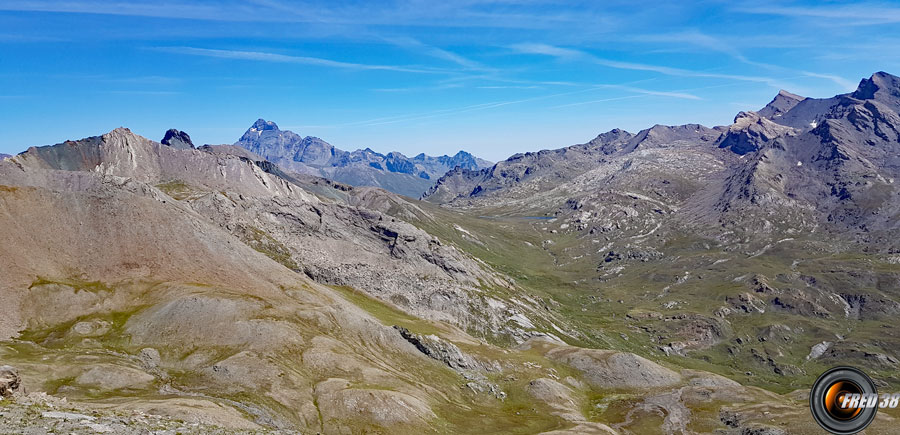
[
  {"x": 310, "y": 155},
  {"x": 3, "y": 156}
]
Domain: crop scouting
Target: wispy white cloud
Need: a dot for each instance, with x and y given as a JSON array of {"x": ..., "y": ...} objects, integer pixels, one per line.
[
  {"x": 715, "y": 44},
  {"x": 417, "y": 13},
  {"x": 163, "y": 9},
  {"x": 572, "y": 54},
  {"x": 856, "y": 14},
  {"x": 435, "y": 52},
  {"x": 692, "y": 38},
  {"x": 638, "y": 92},
  {"x": 284, "y": 58},
  {"x": 682, "y": 95},
  {"x": 508, "y": 87},
  {"x": 840, "y": 81},
  {"x": 20, "y": 38},
  {"x": 704, "y": 41},
  {"x": 548, "y": 50},
  {"x": 143, "y": 92},
  {"x": 438, "y": 87},
  {"x": 602, "y": 100}
]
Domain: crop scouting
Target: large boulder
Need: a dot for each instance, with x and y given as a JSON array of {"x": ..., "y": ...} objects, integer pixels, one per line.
[
  {"x": 108, "y": 377},
  {"x": 611, "y": 369},
  {"x": 9, "y": 381}
]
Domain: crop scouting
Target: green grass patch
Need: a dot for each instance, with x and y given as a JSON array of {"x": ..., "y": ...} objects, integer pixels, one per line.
[{"x": 269, "y": 246}]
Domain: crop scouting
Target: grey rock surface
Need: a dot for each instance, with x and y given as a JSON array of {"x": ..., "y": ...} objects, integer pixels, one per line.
[
  {"x": 609, "y": 369},
  {"x": 444, "y": 351},
  {"x": 781, "y": 104}
]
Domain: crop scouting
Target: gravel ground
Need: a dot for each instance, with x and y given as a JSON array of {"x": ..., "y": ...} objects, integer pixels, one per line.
[{"x": 39, "y": 414}]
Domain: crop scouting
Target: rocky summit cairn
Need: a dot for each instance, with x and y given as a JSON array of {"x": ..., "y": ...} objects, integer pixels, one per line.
[
  {"x": 9, "y": 381},
  {"x": 177, "y": 139}
]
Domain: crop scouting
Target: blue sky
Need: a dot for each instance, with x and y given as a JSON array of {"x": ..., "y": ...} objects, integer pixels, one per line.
[{"x": 492, "y": 77}]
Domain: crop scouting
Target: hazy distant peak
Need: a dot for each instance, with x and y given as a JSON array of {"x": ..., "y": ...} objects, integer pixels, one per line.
[
  {"x": 262, "y": 124},
  {"x": 365, "y": 167}
]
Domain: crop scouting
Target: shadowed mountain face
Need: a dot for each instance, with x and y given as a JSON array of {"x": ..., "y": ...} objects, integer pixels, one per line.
[
  {"x": 177, "y": 139},
  {"x": 310, "y": 155}
]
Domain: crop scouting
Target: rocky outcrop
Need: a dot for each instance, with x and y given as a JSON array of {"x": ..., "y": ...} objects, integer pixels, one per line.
[
  {"x": 111, "y": 377},
  {"x": 751, "y": 132},
  {"x": 444, "y": 351},
  {"x": 868, "y": 307},
  {"x": 177, "y": 139},
  {"x": 383, "y": 256},
  {"x": 611, "y": 369},
  {"x": 9, "y": 381},
  {"x": 781, "y": 104}
]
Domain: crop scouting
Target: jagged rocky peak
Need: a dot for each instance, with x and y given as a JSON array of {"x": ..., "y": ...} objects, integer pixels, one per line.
[
  {"x": 611, "y": 141},
  {"x": 614, "y": 135},
  {"x": 663, "y": 136},
  {"x": 122, "y": 135},
  {"x": 751, "y": 132},
  {"x": 262, "y": 124},
  {"x": 779, "y": 105},
  {"x": 881, "y": 86},
  {"x": 177, "y": 139}
]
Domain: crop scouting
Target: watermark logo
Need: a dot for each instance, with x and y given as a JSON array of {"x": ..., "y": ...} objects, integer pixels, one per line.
[{"x": 844, "y": 400}]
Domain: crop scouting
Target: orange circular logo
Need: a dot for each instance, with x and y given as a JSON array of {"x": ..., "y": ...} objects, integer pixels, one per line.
[{"x": 843, "y": 400}]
